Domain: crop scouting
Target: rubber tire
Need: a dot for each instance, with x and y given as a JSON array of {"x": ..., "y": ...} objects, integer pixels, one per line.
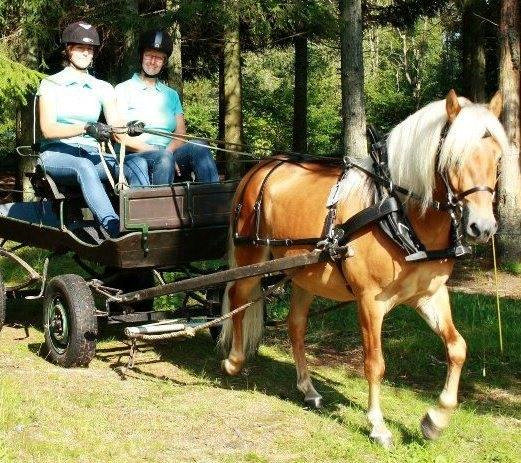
[
  {"x": 3, "y": 302},
  {"x": 78, "y": 303}
]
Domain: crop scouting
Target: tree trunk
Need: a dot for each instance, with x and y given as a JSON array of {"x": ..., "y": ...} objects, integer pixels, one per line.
[
  {"x": 131, "y": 57},
  {"x": 233, "y": 121},
  {"x": 474, "y": 58},
  {"x": 509, "y": 204},
  {"x": 221, "y": 157},
  {"x": 352, "y": 78},
  {"x": 175, "y": 62},
  {"x": 300, "y": 95}
]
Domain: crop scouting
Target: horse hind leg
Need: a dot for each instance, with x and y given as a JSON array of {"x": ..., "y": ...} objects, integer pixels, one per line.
[
  {"x": 437, "y": 313},
  {"x": 241, "y": 335},
  {"x": 297, "y": 326}
]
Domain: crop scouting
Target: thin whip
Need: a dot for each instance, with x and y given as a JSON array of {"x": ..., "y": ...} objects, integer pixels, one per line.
[{"x": 497, "y": 296}]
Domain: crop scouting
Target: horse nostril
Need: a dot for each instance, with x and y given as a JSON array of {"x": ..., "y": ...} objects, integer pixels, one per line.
[{"x": 474, "y": 230}]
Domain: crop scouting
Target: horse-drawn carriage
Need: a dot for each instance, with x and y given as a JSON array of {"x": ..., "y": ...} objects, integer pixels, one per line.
[
  {"x": 382, "y": 233},
  {"x": 162, "y": 229}
]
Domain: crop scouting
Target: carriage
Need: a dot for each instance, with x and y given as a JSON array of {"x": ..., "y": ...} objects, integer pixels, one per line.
[
  {"x": 404, "y": 213},
  {"x": 162, "y": 229}
]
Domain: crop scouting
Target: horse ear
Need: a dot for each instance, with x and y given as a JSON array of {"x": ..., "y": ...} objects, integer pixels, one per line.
[
  {"x": 452, "y": 105},
  {"x": 496, "y": 104}
]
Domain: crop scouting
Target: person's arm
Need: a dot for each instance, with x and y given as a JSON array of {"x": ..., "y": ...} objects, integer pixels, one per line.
[
  {"x": 132, "y": 144},
  {"x": 48, "y": 124},
  {"x": 179, "y": 130}
]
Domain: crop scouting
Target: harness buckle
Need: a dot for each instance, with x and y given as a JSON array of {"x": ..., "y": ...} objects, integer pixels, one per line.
[{"x": 461, "y": 250}]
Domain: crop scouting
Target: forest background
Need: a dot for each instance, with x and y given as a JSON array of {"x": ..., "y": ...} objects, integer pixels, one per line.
[
  {"x": 285, "y": 85},
  {"x": 413, "y": 53}
]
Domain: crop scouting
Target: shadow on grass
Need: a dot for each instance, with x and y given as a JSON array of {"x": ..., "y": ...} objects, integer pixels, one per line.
[{"x": 415, "y": 357}]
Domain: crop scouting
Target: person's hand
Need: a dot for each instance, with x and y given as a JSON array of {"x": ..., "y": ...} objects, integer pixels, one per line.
[
  {"x": 135, "y": 128},
  {"x": 98, "y": 130}
]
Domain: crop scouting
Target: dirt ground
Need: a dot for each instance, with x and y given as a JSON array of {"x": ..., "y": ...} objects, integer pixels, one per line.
[{"x": 476, "y": 275}]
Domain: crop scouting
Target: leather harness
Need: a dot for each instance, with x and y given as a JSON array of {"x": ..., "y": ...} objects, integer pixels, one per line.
[{"x": 387, "y": 210}]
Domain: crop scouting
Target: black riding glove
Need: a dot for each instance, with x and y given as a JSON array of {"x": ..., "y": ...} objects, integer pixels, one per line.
[
  {"x": 135, "y": 128},
  {"x": 98, "y": 130}
]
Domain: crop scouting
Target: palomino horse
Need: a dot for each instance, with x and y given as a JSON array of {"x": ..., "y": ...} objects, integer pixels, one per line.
[{"x": 377, "y": 276}]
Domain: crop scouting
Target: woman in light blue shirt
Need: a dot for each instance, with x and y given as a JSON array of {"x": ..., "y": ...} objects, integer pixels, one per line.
[
  {"x": 70, "y": 103},
  {"x": 145, "y": 98}
]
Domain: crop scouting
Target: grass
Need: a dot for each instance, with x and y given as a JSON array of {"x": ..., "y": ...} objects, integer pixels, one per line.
[
  {"x": 175, "y": 405},
  {"x": 512, "y": 267}
]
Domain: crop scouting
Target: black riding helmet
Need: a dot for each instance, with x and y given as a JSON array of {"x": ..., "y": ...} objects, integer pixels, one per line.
[
  {"x": 80, "y": 32},
  {"x": 155, "y": 40}
]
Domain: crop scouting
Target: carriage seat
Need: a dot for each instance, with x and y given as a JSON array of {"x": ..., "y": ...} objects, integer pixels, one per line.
[{"x": 45, "y": 186}]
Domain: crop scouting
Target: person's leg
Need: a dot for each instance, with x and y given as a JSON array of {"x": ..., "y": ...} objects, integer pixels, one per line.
[
  {"x": 196, "y": 157},
  {"x": 135, "y": 169},
  {"x": 71, "y": 165},
  {"x": 160, "y": 165}
]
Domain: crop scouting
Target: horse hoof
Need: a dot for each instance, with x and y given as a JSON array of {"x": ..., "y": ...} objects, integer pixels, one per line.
[
  {"x": 314, "y": 403},
  {"x": 385, "y": 440},
  {"x": 429, "y": 430},
  {"x": 229, "y": 367}
]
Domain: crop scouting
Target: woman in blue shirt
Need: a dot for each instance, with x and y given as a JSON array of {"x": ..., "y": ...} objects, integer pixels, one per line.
[
  {"x": 144, "y": 97},
  {"x": 70, "y": 103}
]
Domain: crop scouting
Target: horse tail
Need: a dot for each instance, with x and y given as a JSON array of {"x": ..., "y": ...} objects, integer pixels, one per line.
[{"x": 253, "y": 321}]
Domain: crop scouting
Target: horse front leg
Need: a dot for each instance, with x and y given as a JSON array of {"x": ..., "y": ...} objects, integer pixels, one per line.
[
  {"x": 371, "y": 314},
  {"x": 437, "y": 313},
  {"x": 297, "y": 327}
]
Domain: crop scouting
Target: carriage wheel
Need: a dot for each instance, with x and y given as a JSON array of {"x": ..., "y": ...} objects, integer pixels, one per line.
[
  {"x": 69, "y": 321},
  {"x": 2, "y": 302}
]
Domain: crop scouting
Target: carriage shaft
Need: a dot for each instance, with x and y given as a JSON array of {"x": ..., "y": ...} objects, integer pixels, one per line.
[{"x": 225, "y": 276}]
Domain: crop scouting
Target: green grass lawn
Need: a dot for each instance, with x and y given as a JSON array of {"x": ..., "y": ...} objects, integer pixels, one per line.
[{"x": 175, "y": 405}]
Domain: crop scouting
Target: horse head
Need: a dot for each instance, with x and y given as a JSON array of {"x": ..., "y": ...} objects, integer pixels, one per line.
[{"x": 468, "y": 163}]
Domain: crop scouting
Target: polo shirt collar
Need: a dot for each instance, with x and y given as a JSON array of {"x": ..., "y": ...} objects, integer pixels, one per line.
[
  {"x": 69, "y": 77},
  {"x": 138, "y": 81}
]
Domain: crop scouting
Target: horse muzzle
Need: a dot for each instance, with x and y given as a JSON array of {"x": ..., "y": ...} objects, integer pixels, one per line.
[{"x": 478, "y": 228}]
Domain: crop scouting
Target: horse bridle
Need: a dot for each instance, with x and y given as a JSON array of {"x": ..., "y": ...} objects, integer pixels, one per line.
[{"x": 454, "y": 200}]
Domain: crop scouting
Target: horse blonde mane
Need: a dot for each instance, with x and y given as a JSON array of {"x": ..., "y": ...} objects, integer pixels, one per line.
[{"x": 414, "y": 143}]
